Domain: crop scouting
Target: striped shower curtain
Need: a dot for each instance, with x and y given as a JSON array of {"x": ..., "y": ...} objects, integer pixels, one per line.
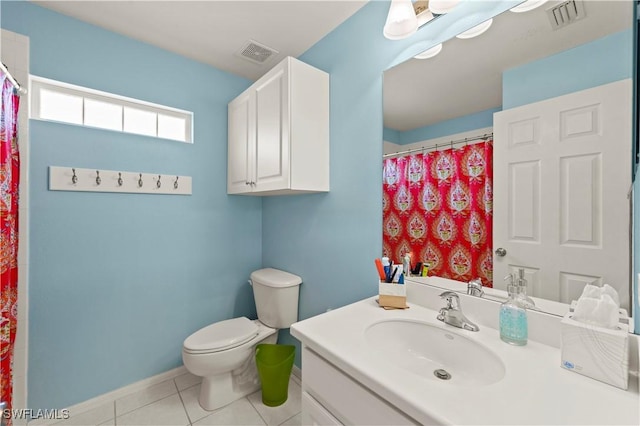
[{"x": 9, "y": 180}]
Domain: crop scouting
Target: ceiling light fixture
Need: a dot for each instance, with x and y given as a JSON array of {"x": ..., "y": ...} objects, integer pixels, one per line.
[
  {"x": 430, "y": 53},
  {"x": 402, "y": 21},
  {"x": 477, "y": 30},
  {"x": 527, "y": 6},
  {"x": 440, "y": 7}
]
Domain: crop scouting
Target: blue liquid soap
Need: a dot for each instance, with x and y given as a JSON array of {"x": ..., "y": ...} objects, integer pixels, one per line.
[{"x": 513, "y": 318}]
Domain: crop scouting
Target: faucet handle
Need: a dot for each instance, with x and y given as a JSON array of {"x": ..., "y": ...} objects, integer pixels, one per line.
[
  {"x": 474, "y": 287},
  {"x": 450, "y": 296}
]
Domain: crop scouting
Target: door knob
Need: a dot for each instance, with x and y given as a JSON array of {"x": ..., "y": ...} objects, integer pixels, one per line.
[{"x": 501, "y": 252}]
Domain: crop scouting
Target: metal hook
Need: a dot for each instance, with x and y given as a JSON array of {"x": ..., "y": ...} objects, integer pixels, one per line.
[
  {"x": 158, "y": 184},
  {"x": 98, "y": 180},
  {"x": 74, "y": 178},
  {"x": 140, "y": 181},
  {"x": 120, "y": 179},
  {"x": 175, "y": 184}
]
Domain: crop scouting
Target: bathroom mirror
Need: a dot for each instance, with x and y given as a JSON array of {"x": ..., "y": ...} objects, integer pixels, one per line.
[{"x": 423, "y": 97}]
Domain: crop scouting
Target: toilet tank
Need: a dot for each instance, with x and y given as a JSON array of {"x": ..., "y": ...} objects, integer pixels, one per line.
[{"x": 276, "y": 296}]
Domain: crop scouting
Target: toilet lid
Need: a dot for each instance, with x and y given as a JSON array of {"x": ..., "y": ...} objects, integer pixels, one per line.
[{"x": 222, "y": 335}]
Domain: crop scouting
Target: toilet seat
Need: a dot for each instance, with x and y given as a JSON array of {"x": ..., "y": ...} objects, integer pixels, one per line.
[{"x": 221, "y": 336}]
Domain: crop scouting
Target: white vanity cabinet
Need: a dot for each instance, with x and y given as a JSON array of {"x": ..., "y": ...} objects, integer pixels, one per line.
[
  {"x": 278, "y": 141},
  {"x": 331, "y": 397}
]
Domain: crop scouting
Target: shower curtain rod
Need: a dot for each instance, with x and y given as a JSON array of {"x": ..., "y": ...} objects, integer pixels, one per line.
[
  {"x": 19, "y": 89},
  {"x": 451, "y": 143}
]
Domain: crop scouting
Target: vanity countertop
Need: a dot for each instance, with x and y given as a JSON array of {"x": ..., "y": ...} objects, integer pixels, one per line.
[{"x": 534, "y": 390}]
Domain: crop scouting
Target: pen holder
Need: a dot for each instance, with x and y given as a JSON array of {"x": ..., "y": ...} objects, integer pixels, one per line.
[{"x": 392, "y": 295}]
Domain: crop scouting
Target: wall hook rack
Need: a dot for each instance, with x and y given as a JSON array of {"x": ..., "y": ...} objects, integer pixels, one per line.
[{"x": 92, "y": 180}]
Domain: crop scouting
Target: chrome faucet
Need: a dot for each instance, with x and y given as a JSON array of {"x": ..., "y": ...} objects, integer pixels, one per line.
[
  {"x": 474, "y": 288},
  {"x": 452, "y": 313}
]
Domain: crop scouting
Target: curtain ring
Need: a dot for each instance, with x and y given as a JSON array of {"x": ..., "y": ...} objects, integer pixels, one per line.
[
  {"x": 98, "y": 180},
  {"x": 158, "y": 184},
  {"x": 175, "y": 184},
  {"x": 74, "y": 178},
  {"x": 140, "y": 181},
  {"x": 120, "y": 179}
]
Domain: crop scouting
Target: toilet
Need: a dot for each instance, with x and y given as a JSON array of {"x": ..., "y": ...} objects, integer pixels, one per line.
[{"x": 223, "y": 353}]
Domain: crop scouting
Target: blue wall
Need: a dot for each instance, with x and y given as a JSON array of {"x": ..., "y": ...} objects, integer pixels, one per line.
[
  {"x": 391, "y": 135},
  {"x": 569, "y": 71},
  {"x": 332, "y": 239},
  {"x": 117, "y": 281},
  {"x": 466, "y": 123}
]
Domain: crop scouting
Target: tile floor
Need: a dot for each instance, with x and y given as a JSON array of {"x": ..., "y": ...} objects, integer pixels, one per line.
[{"x": 175, "y": 402}]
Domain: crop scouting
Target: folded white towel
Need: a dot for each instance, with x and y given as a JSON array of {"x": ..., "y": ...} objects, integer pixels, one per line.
[{"x": 598, "y": 306}]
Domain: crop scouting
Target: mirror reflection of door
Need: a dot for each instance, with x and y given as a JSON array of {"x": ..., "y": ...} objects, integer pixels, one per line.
[{"x": 561, "y": 180}]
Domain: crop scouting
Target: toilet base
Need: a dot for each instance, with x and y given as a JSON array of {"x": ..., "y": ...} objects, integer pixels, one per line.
[
  {"x": 218, "y": 391},
  {"x": 223, "y": 389}
]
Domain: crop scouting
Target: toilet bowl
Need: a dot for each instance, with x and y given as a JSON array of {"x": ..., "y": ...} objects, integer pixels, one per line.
[
  {"x": 226, "y": 361},
  {"x": 223, "y": 353}
]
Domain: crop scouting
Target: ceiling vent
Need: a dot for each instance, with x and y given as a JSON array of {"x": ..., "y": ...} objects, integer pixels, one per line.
[
  {"x": 257, "y": 53},
  {"x": 566, "y": 13}
]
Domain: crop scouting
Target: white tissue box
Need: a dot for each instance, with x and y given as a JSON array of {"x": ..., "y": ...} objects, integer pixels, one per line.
[{"x": 597, "y": 352}]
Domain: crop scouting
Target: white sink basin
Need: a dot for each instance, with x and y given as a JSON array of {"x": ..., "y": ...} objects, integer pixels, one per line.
[{"x": 424, "y": 349}]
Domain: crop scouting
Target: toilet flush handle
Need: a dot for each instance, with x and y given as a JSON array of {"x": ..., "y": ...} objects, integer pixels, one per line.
[{"x": 250, "y": 283}]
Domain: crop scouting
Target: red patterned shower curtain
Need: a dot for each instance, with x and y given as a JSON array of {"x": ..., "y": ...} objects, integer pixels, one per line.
[
  {"x": 9, "y": 180},
  {"x": 437, "y": 206}
]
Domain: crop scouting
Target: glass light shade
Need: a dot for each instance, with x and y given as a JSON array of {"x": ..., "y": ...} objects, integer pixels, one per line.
[
  {"x": 477, "y": 30},
  {"x": 424, "y": 17},
  {"x": 440, "y": 7},
  {"x": 429, "y": 53},
  {"x": 401, "y": 20},
  {"x": 527, "y": 6}
]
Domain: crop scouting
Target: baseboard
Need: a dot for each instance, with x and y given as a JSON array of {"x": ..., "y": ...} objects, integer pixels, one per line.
[
  {"x": 296, "y": 372},
  {"x": 118, "y": 393}
]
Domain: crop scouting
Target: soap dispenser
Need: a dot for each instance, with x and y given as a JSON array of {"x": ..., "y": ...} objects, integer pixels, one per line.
[
  {"x": 521, "y": 282},
  {"x": 513, "y": 315}
]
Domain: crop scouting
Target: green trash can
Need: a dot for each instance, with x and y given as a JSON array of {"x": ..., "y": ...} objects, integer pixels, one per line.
[{"x": 274, "y": 364}]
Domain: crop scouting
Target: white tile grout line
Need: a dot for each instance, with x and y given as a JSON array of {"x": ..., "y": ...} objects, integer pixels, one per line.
[
  {"x": 255, "y": 409},
  {"x": 284, "y": 421},
  {"x": 184, "y": 407},
  {"x": 151, "y": 402}
]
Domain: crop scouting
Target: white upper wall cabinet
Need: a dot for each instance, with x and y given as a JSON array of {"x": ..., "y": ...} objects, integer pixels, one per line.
[{"x": 279, "y": 133}]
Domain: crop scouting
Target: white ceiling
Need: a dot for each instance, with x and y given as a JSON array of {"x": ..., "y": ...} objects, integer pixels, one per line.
[
  {"x": 214, "y": 31},
  {"x": 466, "y": 77}
]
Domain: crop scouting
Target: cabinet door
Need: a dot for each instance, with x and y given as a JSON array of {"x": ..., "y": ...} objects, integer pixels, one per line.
[
  {"x": 241, "y": 144},
  {"x": 272, "y": 130},
  {"x": 314, "y": 414}
]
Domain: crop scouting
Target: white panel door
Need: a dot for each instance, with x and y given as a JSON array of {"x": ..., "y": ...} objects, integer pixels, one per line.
[
  {"x": 241, "y": 144},
  {"x": 272, "y": 128},
  {"x": 562, "y": 172}
]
